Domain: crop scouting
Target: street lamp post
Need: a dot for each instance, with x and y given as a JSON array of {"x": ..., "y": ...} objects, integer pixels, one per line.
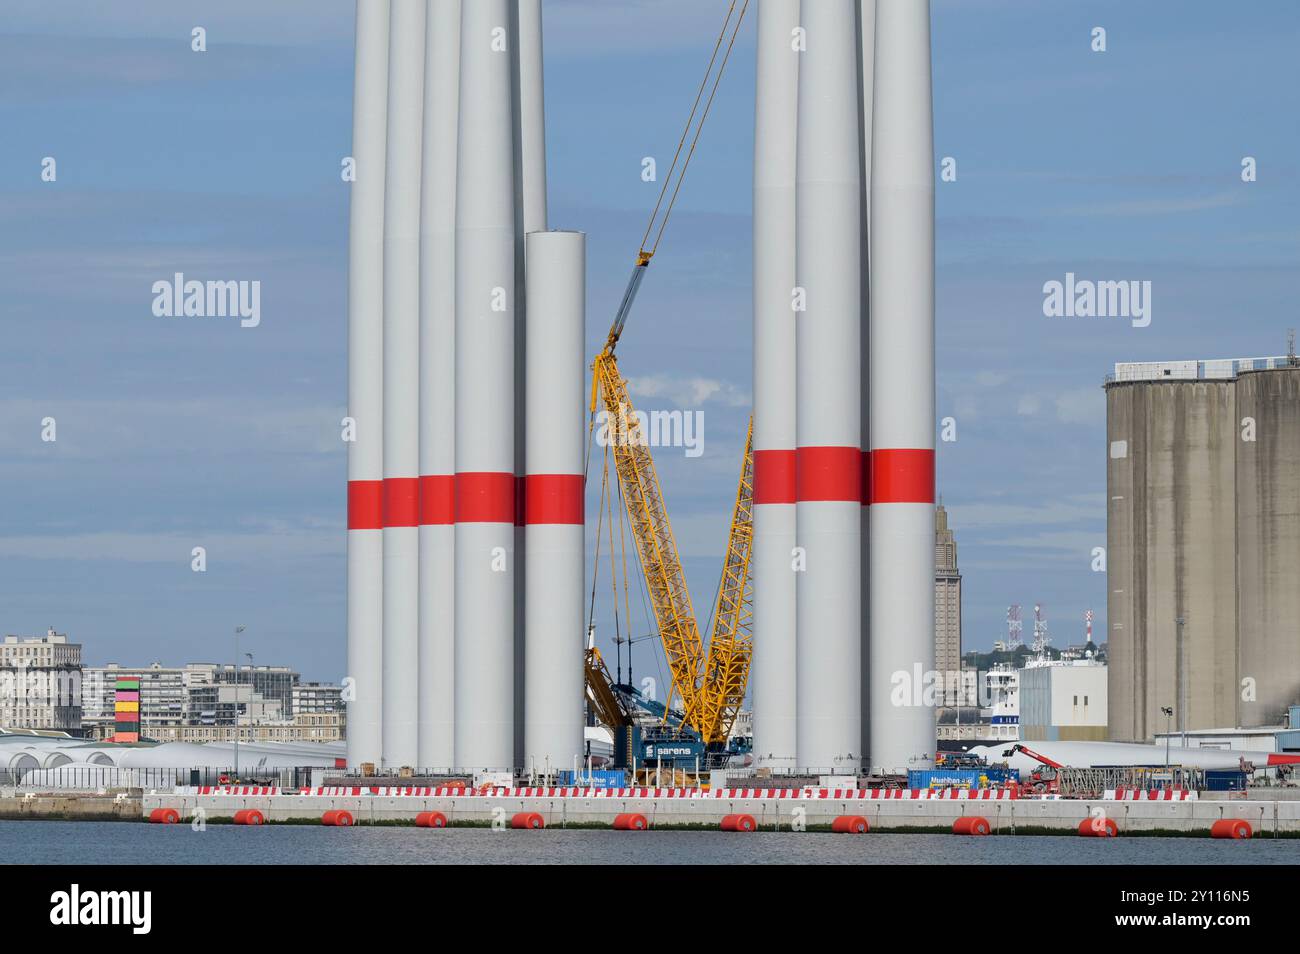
[
  {"x": 1168, "y": 711},
  {"x": 1182, "y": 684},
  {"x": 238, "y": 630}
]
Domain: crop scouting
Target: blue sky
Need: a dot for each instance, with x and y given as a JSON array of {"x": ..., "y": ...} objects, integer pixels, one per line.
[{"x": 175, "y": 434}]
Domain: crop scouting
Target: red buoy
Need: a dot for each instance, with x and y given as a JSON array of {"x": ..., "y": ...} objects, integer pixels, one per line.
[
  {"x": 164, "y": 816},
  {"x": 249, "y": 816},
  {"x": 630, "y": 822},
  {"x": 1099, "y": 828},
  {"x": 431, "y": 820},
  {"x": 738, "y": 823},
  {"x": 337, "y": 817},
  {"x": 850, "y": 825},
  {"x": 1231, "y": 828},
  {"x": 971, "y": 825},
  {"x": 528, "y": 820}
]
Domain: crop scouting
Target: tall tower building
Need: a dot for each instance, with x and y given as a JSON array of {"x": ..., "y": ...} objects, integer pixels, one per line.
[{"x": 947, "y": 608}]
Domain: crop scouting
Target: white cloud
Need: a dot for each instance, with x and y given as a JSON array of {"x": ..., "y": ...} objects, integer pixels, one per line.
[
  {"x": 266, "y": 545},
  {"x": 1147, "y": 207},
  {"x": 111, "y": 429},
  {"x": 1065, "y": 510},
  {"x": 688, "y": 392},
  {"x": 1029, "y": 405},
  {"x": 1081, "y": 406},
  {"x": 991, "y": 379}
]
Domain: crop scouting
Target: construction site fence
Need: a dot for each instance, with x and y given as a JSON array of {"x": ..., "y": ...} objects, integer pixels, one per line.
[{"x": 108, "y": 777}]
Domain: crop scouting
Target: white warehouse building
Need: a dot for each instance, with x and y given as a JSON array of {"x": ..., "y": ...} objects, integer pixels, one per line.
[{"x": 1063, "y": 701}]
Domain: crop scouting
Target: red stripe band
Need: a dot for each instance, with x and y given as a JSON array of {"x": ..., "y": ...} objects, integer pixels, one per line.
[
  {"x": 774, "y": 477},
  {"x": 437, "y": 500},
  {"x": 902, "y": 475},
  {"x": 553, "y": 498},
  {"x": 828, "y": 474},
  {"x": 866, "y": 477},
  {"x": 365, "y": 504},
  {"x": 485, "y": 498},
  {"x": 401, "y": 501}
]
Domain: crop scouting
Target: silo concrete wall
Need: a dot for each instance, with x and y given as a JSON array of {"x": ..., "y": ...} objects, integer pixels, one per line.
[
  {"x": 1268, "y": 543},
  {"x": 1173, "y": 523}
]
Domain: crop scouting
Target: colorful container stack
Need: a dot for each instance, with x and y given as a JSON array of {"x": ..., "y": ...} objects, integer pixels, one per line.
[{"x": 126, "y": 710}]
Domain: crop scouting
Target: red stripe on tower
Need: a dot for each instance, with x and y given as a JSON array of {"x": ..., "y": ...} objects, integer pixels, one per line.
[
  {"x": 401, "y": 502},
  {"x": 485, "y": 498},
  {"x": 829, "y": 473},
  {"x": 437, "y": 500},
  {"x": 774, "y": 477},
  {"x": 365, "y": 504},
  {"x": 902, "y": 475},
  {"x": 553, "y": 498}
]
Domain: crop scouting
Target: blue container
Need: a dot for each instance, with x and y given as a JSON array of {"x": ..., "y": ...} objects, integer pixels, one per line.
[
  {"x": 596, "y": 778},
  {"x": 1225, "y": 780},
  {"x": 957, "y": 778}
]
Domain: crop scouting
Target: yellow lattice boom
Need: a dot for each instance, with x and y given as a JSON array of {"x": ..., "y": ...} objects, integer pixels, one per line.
[
  {"x": 643, "y": 499},
  {"x": 731, "y": 644}
]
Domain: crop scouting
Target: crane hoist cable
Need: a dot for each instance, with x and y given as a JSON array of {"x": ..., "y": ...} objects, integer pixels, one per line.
[{"x": 644, "y": 254}]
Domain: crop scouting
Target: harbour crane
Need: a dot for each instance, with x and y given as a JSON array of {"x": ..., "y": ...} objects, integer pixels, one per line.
[{"x": 711, "y": 686}]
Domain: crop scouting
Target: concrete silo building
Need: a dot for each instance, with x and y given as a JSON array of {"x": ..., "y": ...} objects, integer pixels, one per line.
[{"x": 1203, "y": 526}]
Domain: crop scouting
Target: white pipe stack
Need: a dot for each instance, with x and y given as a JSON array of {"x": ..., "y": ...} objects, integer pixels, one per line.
[
  {"x": 530, "y": 216},
  {"x": 828, "y": 457},
  {"x": 485, "y": 393},
  {"x": 902, "y": 389},
  {"x": 402, "y": 382},
  {"x": 775, "y": 122},
  {"x": 866, "y": 78},
  {"x": 438, "y": 385},
  {"x": 553, "y": 501},
  {"x": 365, "y": 385}
]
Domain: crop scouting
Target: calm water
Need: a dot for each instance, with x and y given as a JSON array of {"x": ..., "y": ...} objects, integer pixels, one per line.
[{"x": 34, "y": 842}]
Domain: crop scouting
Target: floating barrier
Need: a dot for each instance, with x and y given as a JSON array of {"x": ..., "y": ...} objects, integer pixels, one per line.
[
  {"x": 249, "y": 816},
  {"x": 630, "y": 821},
  {"x": 850, "y": 825},
  {"x": 971, "y": 825},
  {"x": 164, "y": 816},
  {"x": 431, "y": 820},
  {"x": 1099, "y": 828},
  {"x": 1231, "y": 828},
  {"x": 337, "y": 818},
  {"x": 528, "y": 820},
  {"x": 738, "y": 823}
]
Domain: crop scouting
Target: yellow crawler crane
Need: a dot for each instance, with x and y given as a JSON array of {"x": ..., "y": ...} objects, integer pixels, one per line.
[
  {"x": 652, "y": 531},
  {"x": 713, "y": 688}
]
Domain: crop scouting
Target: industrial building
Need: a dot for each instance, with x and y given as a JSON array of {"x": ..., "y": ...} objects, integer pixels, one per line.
[
  {"x": 1063, "y": 700},
  {"x": 1203, "y": 544},
  {"x": 947, "y": 609},
  {"x": 40, "y": 682}
]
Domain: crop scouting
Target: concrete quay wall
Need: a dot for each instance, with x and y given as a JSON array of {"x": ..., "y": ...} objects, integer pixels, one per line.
[{"x": 1004, "y": 816}]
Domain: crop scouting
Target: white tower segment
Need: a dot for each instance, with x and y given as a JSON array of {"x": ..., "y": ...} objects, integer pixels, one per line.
[
  {"x": 902, "y": 390},
  {"x": 775, "y": 129},
  {"x": 438, "y": 386},
  {"x": 366, "y": 385},
  {"x": 828, "y": 359}
]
